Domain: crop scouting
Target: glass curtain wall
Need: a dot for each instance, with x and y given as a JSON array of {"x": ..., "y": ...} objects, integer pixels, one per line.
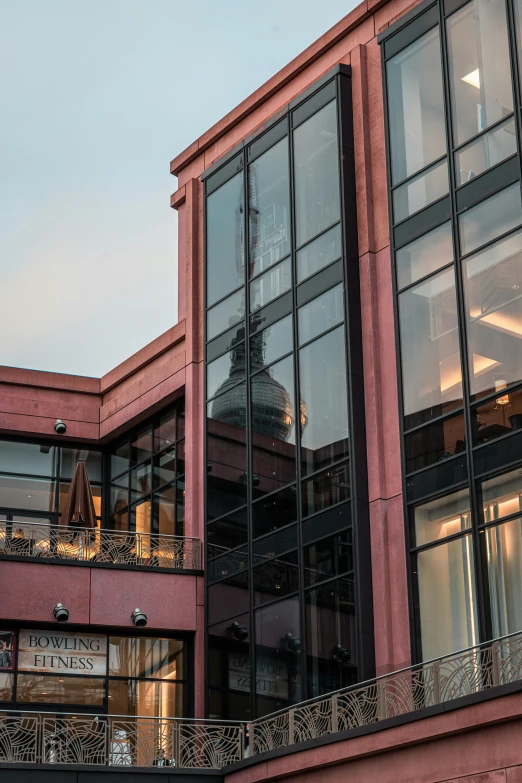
[
  {"x": 34, "y": 482},
  {"x": 147, "y": 485},
  {"x": 281, "y": 485},
  {"x": 453, "y": 130}
]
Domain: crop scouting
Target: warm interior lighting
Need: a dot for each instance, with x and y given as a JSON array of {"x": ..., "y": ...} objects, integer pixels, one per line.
[
  {"x": 473, "y": 78},
  {"x": 501, "y": 402},
  {"x": 510, "y": 324},
  {"x": 483, "y": 364}
]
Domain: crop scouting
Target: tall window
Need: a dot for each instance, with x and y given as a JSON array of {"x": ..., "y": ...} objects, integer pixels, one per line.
[
  {"x": 281, "y": 583},
  {"x": 456, "y": 251},
  {"x": 147, "y": 486}
]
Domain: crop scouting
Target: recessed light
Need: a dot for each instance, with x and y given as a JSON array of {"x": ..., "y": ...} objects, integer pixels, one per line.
[{"x": 473, "y": 78}]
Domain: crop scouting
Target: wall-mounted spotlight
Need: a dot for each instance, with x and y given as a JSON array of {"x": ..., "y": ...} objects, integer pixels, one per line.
[
  {"x": 60, "y": 427},
  {"x": 61, "y": 614},
  {"x": 139, "y": 618},
  {"x": 292, "y": 642},
  {"x": 341, "y": 654},
  {"x": 239, "y": 631}
]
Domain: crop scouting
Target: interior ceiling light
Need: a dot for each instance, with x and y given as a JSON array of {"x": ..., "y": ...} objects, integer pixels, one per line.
[{"x": 473, "y": 78}]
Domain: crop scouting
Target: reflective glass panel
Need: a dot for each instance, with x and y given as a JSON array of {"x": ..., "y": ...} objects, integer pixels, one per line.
[
  {"x": 493, "y": 289},
  {"x": 226, "y": 314},
  {"x": 29, "y": 494},
  {"x": 276, "y": 578},
  {"x": 327, "y": 558},
  {"x": 274, "y": 544},
  {"x": 420, "y": 191},
  {"x": 227, "y": 563},
  {"x": 165, "y": 432},
  {"x": 502, "y": 495},
  {"x": 227, "y": 533},
  {"x": 495, "y": 216},
  {"x": 442, "y": 517},
  {"x": 331, "y": 636},
  {"x": 141, "y": 446},
  {"x": 225, "y": 371},
  {"x": 326, "y": 489},
  {"x": 274, "y": 511},
  {"x": 229, "y": 669},
  {"x": 164, "y": 468},
  {"x": 323, "y": 406},
  {"x": 416, "y": 107},
  {"x": 120, "y": 459},
  {"x": 271, "y": 284},
  {"x": 228, "y": 598},
  {"x": 447, "y": 605},
  {"x": 141, "y": 481},
  {"x": 419, "y": 258},
  {"x": 225, "y": 239},
  {"x": 278, "y": 665},
  {"x": 497, "y": 417},
  {"x": 143, "y": 657},
  {"x": 226, "y": 452},
  {"x": 119, "y": 494},
  {"x": 269, "y": 208},
  {"x": 316, "y": 173},
  {"x": 273, "y": 426},
  {"x": 434, "y": 443},
  {"x": 487, "y": 151},
  {"x": 319, "y": 253},
  {"x": 50, "y": 689},
  {"x": 164, "y": 513},
  {"x": 431, "y": 374},
  {"x": 321, "y": 313},
  {"x": 92, "y": 459},
  {"x": 30, "y": 458},
  {"x": 480, "y": 76},
  {"x": 159, "y": 699},
  {"x": 271, "y": 343},
  {"x": 504, "y": 566},
  {"x": 140, "y": 516}
]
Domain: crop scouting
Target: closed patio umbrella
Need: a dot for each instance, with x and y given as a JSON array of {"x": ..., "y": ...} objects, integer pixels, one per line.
[{"x": 79, "y": 506}]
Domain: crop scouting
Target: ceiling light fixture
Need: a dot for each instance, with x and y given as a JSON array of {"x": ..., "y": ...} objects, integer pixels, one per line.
[{"x": 473, "y": 78}]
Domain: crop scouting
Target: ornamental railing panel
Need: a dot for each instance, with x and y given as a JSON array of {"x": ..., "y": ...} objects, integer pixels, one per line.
[
  {"x": 121, "y": 547},
  {"x": 417, "y": 688},
  {"x": 119, "y": 741}
]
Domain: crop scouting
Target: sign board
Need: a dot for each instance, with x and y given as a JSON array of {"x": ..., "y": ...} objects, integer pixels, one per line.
[
  {"x": 62, "y": 653},
  {"x": 271, "y": 675}
]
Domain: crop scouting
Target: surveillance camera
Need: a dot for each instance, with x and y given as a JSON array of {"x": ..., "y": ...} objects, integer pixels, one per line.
[
  {"x": 139, "y": 618},
  {"x": 61, "y": 613},
  {"x": 60, "y": 427},
  {"x": 239, "y": 631},
  {"x": 292, "y": 642},
  {"x": 341, "y": 654}
]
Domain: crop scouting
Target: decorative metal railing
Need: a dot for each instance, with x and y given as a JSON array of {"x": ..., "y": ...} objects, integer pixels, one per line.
[
  {"x": 154, "y": 550},
  {"x": 118, "y": 741},
  {"x": 418, "y": 687},
  {"x": 48, "y": 738}
]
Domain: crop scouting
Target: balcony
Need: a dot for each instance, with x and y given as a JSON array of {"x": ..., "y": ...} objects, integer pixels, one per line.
[
  {"x": 118, "y": 741},
  {"x": 454, "y": 681},
  {"x": 99, "y": 546}
]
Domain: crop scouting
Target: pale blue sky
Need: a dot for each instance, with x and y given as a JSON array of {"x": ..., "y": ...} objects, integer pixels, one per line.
[{"x": 97, "y": 96}]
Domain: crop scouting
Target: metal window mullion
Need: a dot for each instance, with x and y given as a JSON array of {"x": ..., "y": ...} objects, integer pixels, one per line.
[
  {"x": 297, "y": 403},
  {"x": 248, "y": 425},
  {"x": 483, "y": 625}
]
